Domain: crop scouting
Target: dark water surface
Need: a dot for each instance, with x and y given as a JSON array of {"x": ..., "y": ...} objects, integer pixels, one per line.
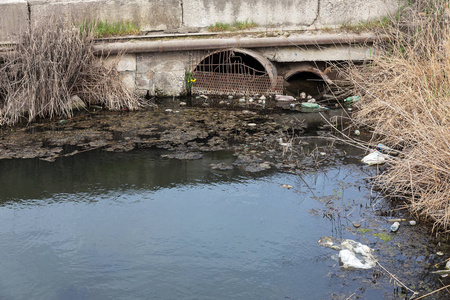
[{"x": 135, "y": 226}]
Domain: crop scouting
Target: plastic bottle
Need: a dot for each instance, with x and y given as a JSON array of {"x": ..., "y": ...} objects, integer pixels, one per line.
[
  {"x": 310, "y": 105},
  {"x": 352, "y": 99}
]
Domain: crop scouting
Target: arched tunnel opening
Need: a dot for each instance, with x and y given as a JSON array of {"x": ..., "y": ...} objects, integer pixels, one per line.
[
  {"x": 231, "y": 62},
  {"x": 307, "y": 82},
  {"x": 236, "y": 72}
]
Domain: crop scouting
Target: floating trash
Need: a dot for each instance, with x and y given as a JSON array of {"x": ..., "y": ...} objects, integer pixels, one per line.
[
  {"x": 310, "y": 105},
  {"x": 286, "y": 186},
  {"x": 351, "y": 253},
  {"x": 284, "y": 98},
  {"x": 352, "y": 99},
  {"x": 374, "y": 158},
  {"x": 395, "y": 226}
]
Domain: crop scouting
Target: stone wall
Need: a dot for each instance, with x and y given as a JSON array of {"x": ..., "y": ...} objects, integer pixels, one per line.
[{"x": 190, "y": 15}]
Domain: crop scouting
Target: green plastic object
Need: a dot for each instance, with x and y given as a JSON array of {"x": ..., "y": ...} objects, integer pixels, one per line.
[
  {"x": 352, "y": 99},
  {"x": 310, "y": 105}
]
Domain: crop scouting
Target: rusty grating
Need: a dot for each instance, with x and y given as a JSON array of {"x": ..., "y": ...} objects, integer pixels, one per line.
[
  {"x": 229, "y": 72},
  {"x": 232, "y": 84}
]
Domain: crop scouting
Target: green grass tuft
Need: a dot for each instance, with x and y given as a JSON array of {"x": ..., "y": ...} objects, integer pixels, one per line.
[
  {"x": 105, "y": 29},
  {"x": 237, "y": 25}
]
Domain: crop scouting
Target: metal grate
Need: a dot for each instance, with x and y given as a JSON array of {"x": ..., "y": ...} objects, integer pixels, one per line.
[
  {"x": 228, "y": 72},
  {"x": 232, "y": 84}
]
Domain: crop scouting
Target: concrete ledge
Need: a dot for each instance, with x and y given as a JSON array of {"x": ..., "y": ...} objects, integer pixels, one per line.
[{"x": 14, "y": 19}]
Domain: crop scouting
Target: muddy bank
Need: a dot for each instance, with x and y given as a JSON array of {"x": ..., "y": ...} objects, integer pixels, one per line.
[{"x": 265, "y": 138}]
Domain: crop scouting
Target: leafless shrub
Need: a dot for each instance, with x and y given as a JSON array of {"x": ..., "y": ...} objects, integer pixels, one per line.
[
  {"x": 49, "y": 65},
  {"x": 407, "y": 104}
]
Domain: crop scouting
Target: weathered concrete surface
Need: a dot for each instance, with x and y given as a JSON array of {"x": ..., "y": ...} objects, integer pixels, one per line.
[
  {"x": 13, "y": 19},
  {"x": 150, "y": 15},
  {"x": 126, "y": 66},
  {"x": 191, "y": 15},
  {"x": 337, "y": 12},
  {"x": 321, "y": 53},
  {"x": 162, "y": 74},
  {"x": 202, "y": 13}
]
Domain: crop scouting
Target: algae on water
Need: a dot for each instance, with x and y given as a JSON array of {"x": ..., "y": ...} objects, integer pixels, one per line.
[{"x": 383, "y": 236}]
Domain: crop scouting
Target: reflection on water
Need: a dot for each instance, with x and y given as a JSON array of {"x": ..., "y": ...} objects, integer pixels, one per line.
[{"x": 134, "y": 226}]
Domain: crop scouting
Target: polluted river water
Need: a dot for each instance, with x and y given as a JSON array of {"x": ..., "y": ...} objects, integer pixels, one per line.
[{"x": 139, "y": 225}]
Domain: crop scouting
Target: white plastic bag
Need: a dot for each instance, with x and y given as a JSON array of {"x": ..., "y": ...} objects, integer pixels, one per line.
[{"x": 374, "y": 158}]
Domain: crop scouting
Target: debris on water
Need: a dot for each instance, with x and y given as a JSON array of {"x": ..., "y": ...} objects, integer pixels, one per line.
[
  {"x": 440, "y": 253},
  {"x": 204, "y": 97},
  {"x": 395, "y": 220},
  {"x": 310, "y": 105},
  {"x": 230, "y": 97},
  {"x": 323, "y": 153},
  {"x": 284, "y": 98},
  {"x": 169, "y": 110},
  {"x": 286, "y": 186},
  {"x": 412, "y": 223},
  {"x": 302, "y": 95},
  {"x": 395, "y": 226},
  {"x": 352, "y": 99},
  {"x": 356, "y": 255},
  {"x": 221, "y": 166},
  {"x": 62, "y": 122},
  {"x": 384, "y": 149},
  {"x": 445, "y": 272},
  {"x": 242, "y": 100},
  {"x": 374, "y": 158},
  {"x": 356, "y": 225},
  {"x": 284, "y": 144},
  {"x": 357, "y": 132},
  {"x": 327, "y": 241},
  {"x": 312, "y": 100},
  {"x": 262, "y": 98},
  {"x": 183, "y": 103},
  {"x": 352, "y": 254}
]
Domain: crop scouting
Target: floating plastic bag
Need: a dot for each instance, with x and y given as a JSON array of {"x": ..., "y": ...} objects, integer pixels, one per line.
[
  {"x": 351, "y": 253},
  {"x": 374, "y": 158}
]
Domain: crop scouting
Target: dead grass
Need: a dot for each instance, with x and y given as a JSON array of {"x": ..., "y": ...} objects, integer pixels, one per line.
[
  {"x": 407, "y": 105},
  {"x": 49, "y": 65}
]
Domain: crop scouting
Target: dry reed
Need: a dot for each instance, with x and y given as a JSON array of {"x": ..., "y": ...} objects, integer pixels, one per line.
[
  {"x": 51, "y": 64},
  {"x": 407, "y": 105}
]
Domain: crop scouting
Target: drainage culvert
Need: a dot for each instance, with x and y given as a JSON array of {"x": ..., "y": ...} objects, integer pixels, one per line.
[
  {"x": 310, "y": 81},
  {"x": 236, "y": 72}
]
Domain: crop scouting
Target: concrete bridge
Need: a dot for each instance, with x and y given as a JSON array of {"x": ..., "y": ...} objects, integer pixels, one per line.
[{"x": 291, "y": 37}]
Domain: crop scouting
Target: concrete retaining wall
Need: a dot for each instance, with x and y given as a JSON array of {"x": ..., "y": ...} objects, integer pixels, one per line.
[
  {"x": 190, "y": 15},
  {"x": 13, "y": 19}
]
